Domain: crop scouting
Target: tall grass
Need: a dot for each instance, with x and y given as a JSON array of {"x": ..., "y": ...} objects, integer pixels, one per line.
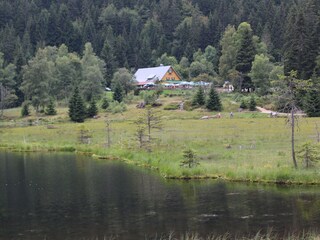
[{"x": 248, "y": 147}]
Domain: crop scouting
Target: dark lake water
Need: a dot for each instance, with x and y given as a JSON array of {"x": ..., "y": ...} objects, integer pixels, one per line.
[{"x": 62, "y": 196}]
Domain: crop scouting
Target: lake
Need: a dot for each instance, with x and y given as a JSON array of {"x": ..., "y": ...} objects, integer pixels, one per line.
[{"x": 67, "y": 196}]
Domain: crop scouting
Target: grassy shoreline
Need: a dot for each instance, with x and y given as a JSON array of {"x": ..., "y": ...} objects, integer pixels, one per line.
[{"x": 250, "y": 147}]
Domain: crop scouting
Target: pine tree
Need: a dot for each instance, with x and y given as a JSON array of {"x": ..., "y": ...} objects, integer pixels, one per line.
[
  {"x": 118, "y": 93},
  {"x": 92, "y": 110},
  {"x": 51, "y": 108},
  {"x": 214, "y": 102},
  {"x": 199, "y": 98},
  {"x": 77, "y": 112}
]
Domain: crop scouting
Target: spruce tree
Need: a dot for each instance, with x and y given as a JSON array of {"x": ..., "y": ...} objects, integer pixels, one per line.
[
  {"x": 92, "y": 110},
  {"x": 245, "y": 55},
  {"x": 199, "y": 98},
  {"x": 77, "y": 112},
  {"x": 25, "y": 110},
  {"x": 214, "y": 102},
  {"x": 312, "y": 103},
  {"x": 118, "y": 93},
  {"x": 50, "y": 110}
]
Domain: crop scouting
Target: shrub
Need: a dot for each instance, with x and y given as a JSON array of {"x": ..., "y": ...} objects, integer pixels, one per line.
[
  {"x": 116, "y": 107},
  {"x": 25, "y": 109},
  {"x": 252, "y": 104},
  {"x": 50, "y": 110},
  {"x": 190, "y": 159},
  {"x": 105, "y": 103},
  {"x": 172, "y": 106},
  {"x": 187, "y": 105},
  {"x": 92, "y": 109}
]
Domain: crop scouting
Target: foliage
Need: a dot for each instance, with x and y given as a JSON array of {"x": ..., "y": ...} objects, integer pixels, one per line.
[
  {"x": 199, "y": 97},
  {"x": 51, "y": 110},
  {"x": 118, "y": 92},
  {"x": 213, "y": 102},
  {"x": 309, "y": 154},
  {"x": 7, "y": 84},
  {"x": 252, "y": 104},
  {"x": 190, "y": 159},
  {"x": 116, "y": 107},
  {"x": 25, "y": 109},
  {"x": 92, "y": 73},
  {"x": 105, "y": 103},
  {"x": 125, "y": 78},
  {"x": 243, "y": 104},
  {"x": 77, "y": 111},
  {"x": 312, "y": 102},
  {"x": 92, "y": 109},
  {"x": 171, "y": 106},
  {"x": 260, "y": 71},
  {"x": 245, "y": 55},
  {"x": 140, "y": 132},
  {"x": 84, "y": 135},
  {"x": 150, "y": 98}
]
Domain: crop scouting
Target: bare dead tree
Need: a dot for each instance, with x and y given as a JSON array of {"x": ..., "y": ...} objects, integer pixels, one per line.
[
  {"x": 108, "y": 131},
  {"x": 288, "y": 87},
  {"x": 153, "y": 119}
]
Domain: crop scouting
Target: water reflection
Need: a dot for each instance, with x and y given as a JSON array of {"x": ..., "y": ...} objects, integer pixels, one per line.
[{"x": 63, "y": 196}]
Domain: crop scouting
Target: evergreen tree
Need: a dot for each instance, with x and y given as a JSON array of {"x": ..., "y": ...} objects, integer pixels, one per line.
[
  {"x": 92, "y": 110},
  {"x": 51, "y": 108},
  {"x": 245, "y": 55},
  {"x": 107, "y": 55},
  {"x": 312, "y": 103},
  {"x": 77, "y": 112},
  {"x": 25, "y": 110},
  {"x": 105, "y": 103},
  {"x": 214, "y": 102},
  {"x": 118, "y": 92},
  {"x": 199, "y": 98},
  {"x": 252, "y": 104}
]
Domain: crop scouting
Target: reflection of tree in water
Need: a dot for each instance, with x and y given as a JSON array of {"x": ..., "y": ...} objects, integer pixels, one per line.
[{"x": 83, "y": 197}]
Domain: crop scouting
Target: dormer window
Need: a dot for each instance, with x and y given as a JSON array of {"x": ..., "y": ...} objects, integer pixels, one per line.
[{"x": 150, "y": 77}]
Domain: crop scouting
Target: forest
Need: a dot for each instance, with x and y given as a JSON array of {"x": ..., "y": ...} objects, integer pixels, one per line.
[{"x": 49, "y": 47}]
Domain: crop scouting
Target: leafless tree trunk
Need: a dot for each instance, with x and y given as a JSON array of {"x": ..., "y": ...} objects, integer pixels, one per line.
[
  {"x": 108, "y": 130},
  {"x": 293, "y": 138}
]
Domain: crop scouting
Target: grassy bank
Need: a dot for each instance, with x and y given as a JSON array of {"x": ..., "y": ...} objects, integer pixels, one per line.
[{"x": 248, "y": 147}]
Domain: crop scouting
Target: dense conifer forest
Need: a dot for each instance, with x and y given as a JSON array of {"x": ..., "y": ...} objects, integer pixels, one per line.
[{"x": 72, "y": 42}]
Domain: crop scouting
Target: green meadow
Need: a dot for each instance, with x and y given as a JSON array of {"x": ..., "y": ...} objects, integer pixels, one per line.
[{"x": 248, "y": 147}]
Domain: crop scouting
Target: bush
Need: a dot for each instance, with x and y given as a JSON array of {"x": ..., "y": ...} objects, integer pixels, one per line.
[
  {"x": 172, "y": 106},
  {"x": 25, "y": 109},
  {"x": 243, "y": 104},
  {"x": 187, "y": 105},
  {"x": 50, "y": 110},
  {"x": 92, "y": 109},
  {"x": 105, "y": 103},
  {"x": 116, "y": 107},
  {"x": 252, "y": 104}
]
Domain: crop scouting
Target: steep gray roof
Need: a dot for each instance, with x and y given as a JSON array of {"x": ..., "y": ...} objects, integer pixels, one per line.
[{"x": 151, "y": 74}]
